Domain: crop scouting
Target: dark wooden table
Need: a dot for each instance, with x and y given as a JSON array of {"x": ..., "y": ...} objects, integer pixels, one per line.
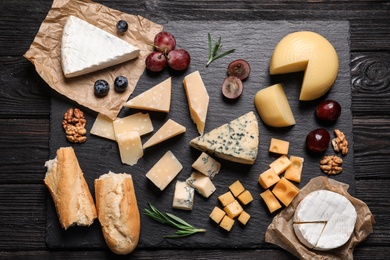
[{"x": 25, "y": 110}]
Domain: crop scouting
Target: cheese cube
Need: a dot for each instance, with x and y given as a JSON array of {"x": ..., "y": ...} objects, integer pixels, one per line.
[
  {"x": 285, "y": 191},
  {"x": 103, "y": 127},
  {"x": 217, "y": 214},
  {"x": 244, "y": 217},
  {"x": 207, "y": 165},
  {"x": 164, "y": 171},
  {"x": 236, "y": 188},
  {"x": 130, "y": 147},
  {"x": 279, "y": 146},
  {"x": 226, "y": 198},
  {"x": 183, "y": 197},
  {"x": 294, "y": 171},
  {"x": 233, "y": 209},
  {"x": 245, "y": 197},
  {"x": 270, "y": 200},
  {"x": 137, "y": 122},
  {"x": 227, "y": 223},
  {"x": 280, "y": 164},
  {"x": 201, "y": 183},
  {"x": 268, "y": 178}
]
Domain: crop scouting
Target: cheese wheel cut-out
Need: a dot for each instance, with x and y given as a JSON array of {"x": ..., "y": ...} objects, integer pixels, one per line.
[{"x": 310, "y": 52}]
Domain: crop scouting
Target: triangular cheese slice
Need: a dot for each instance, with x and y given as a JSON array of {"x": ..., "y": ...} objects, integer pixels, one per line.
[
  {"x": 168, "y": 130},
  {"x": 157, "y": 98},
  {"x": 236, "y": 141},
  {"x": 86, "y": 48}
]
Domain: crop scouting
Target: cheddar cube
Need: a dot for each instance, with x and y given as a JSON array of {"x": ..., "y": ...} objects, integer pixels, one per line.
[
  {"x": 294, "y": 171},
  {"x": 268, "y": 178},
  {"x": 285, "y": 191},
  {"x": 279, "y": 146},
  {"x": 245, "y": 197},
  {"x": 280, "y": 164},
  {"x": 270, "y": 200},
  {"x": 244, "y": 217},
  {"x": 217, "y": 215},
  {"x": 227, "y": 223},
  {"x": 226, "y": 198},
  {"x": 236, "y": 188},
  {"x": 233, "y": 209}
]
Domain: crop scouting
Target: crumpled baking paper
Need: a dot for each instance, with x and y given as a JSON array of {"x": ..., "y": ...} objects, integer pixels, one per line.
[
  {"x": 280, "y": 232},
  {"x": 45, "y": 53}
]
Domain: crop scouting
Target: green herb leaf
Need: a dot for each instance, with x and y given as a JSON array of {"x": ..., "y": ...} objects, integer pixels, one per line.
[
  {"x": 183, "y": 227},
  {"x": 213, "y": 52}
]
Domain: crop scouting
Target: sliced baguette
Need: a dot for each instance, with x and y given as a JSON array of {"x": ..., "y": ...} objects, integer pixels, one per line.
[
  {"x": 69, "y": 190},
  {"x": 118, "y": 212}
]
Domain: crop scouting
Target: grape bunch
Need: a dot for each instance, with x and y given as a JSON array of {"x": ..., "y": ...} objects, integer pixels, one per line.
[{"x": 166, "y": 54}]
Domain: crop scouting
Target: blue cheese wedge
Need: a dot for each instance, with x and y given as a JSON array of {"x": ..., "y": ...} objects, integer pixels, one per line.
[
  {"x": 236, "y": 141},
  {"x": 183, "y": 198},
  {"x": 207, "y": 165},
  {"x": 86, "y": 48},
  {"x": 201, "y": 183},
  {"x": 324, "y": 220}
]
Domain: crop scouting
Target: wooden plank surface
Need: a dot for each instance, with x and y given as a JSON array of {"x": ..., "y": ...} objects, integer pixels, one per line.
[{"x": 25, "y": 108}]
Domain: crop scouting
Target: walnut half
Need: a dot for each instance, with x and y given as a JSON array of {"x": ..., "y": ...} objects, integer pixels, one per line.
[
  {"x": 331, "y": 164},
  {"x": 74, "y": 125}
]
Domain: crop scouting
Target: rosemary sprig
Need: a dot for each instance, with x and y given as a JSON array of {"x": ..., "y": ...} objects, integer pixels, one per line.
[
  {"x": 213, "y": 52},
  {"x": 183, "y": 228}
]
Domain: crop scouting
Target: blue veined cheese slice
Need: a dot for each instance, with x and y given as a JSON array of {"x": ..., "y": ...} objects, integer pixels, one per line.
[
  {"x": 236, "y": 141},
  {"x": 207, "y": 165},
  {"x": 86, "y": 48},
  {"x": 324, "y": 220},
  {"x": 183, "y": 197}
]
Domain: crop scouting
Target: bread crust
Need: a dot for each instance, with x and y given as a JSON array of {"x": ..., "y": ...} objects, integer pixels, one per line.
[
  {"x": 69, "y": 190},
  {"x": 118, "y": 212}
]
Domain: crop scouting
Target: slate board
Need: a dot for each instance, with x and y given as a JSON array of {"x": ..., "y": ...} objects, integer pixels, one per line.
[{"x": 253, "y": 41}]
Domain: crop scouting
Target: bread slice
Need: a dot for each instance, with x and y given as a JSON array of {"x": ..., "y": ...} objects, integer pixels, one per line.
[
  {"x": 69, "y": 190},
  {"x": 118, "y": 212}
]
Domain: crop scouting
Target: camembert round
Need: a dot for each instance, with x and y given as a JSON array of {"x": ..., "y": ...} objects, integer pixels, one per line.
[{"x": 324, "y": 220}]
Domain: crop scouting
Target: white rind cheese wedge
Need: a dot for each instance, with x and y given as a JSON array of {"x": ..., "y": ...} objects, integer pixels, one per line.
[
  {"x": 324, "y": 220},
  {"x": 157, "y": 98},
  {"x": 310, "y": 52},
  {"x": 236, "y": 141},
  {"x": 168, "y": 130},
  {"x": 86, "y": 48}
]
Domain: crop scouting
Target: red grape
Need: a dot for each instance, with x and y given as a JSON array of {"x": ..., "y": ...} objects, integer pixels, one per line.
[
  {"x": 179, "y": 59},
  {"x": 328, "y": 110},
  {"x": 318, "y": 140},
  {"x": 155, "y": 61},
  {"x": 232, "y": 87},
  {"x": 164, "y": 42},
  {"x": 239, "y": 68}
]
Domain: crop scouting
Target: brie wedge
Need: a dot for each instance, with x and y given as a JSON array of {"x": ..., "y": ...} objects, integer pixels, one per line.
[
  {"x": 324, "y": 220},
  {"x": 86, "y": 48}
]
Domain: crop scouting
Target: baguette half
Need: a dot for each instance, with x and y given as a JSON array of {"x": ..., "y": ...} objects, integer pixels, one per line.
[
  {"x": 69, "y": 190},
  {"x": 118, "y": 212}
]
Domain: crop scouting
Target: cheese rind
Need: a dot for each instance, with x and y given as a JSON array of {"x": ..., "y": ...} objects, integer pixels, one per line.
[
  {"x": 236, "y": 141},
  {"x": 130, "y": 147},
  {"x": 86, "y": 48},
  {"x": 157, "y": 98},
  {"x": 183, "y": 197},
  {"x": 207, "y": 165},
  {"x": 168, "y": 130}
]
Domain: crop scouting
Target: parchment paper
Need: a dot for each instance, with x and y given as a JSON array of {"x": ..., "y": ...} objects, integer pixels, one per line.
[
  {"x": 45, "y": 53},
  {"x": 281, "y": 232}
]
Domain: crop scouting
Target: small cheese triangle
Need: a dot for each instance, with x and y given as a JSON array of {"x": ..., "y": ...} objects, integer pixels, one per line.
[
  {"x": 236, "y": 141},
  {"x": 157, "y": 98},
  {"x": 86, "y": 48},
  {"x": 168, "y": 130}
]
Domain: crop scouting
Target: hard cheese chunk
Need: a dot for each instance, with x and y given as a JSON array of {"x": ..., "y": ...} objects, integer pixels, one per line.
[
  {"x": 227, "y": 223},
  {"x": 226, "y": 198},
  {"x": 310, "y": 52},
  {"x": 273, "y": 107},
  {"x": 324, "y": 220},
  {"x": 201, "y": 183},
  {"x": 165, "y": 170},
  {"x": 279, "y": 146},
  {"x": 280, "y": 164},
  {"x": 236, "y": 188},
  {"x": 207, "y": 165},
  {"x": 294, "y": 171},
  {"x": 86, "y": 48},
  {"x": 245, "y": 197},
  {"x": 103, "y": 127},
  {"x": 268, "y": 178},
  {"x": 217, "y": 214},
  {"x": 167, "y": 131},
  {"x": 138, "y": 122},
  {"x": 244, "y": 217},
  {"x": 285, "y": 191},
  {"x": 157, "y": 98},
  {"x": 183, "y": 197},
  {"x": 236, "y": 141},
  {"x": 270, "y": 200},
  {"x": 130, "y": 147},
  {"x": 233, "y": 209},
  {"x": 198, "y": 99}
]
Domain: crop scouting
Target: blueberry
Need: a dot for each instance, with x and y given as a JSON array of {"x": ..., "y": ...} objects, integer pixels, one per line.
[
  {"x": 101, "y": 88},
  {"x": 120, "y": 84},
  {"x": 122, "y": 26}
]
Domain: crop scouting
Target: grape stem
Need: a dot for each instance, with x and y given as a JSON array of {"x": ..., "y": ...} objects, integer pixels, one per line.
[{"x": 213, "y": 52}]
